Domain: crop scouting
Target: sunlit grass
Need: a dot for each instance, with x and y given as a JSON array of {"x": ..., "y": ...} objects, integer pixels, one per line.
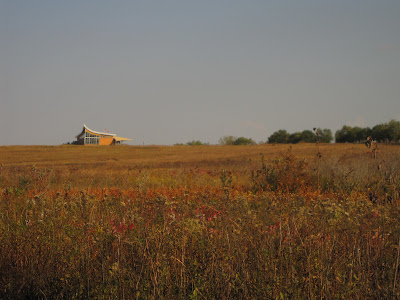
[{"x": 199, "y": 222}]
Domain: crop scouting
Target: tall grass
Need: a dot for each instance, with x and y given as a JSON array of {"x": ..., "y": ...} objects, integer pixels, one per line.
[{"x": 251, "y": 227}]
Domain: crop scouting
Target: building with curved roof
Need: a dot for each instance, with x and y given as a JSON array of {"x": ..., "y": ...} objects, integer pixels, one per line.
[{"x": 91, "y": 137}]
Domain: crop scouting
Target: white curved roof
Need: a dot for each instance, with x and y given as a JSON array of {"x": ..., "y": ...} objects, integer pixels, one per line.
[{"x": 97, "y": 132}]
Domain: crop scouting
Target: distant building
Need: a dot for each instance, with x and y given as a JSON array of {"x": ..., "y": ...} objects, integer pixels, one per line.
[{"x": 91, "y": 137}]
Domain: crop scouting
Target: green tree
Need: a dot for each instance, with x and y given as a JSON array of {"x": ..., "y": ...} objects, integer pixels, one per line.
[
  {"x": 307, "y": 136},
  {"x": 324, "y": 135},
  {"x": 294, "y": 138},
  {"x": 279, "y": 137},
  {"x": 243, "y": 141},
  {"x": 345, "y": 135},
  {"x": 227, "y": 140},
  {"x": 359, "y": 134},
  {"x": 394, "y": 129},
  {"x": 387, "y": 131},
  {"x": 380, "y": 132},
  {"x": 196, "y": 143}
]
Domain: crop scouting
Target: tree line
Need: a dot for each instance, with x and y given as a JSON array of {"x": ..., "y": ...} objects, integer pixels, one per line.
[
  {"x": 225, "y": 140},
  {"x": 306, "y": 136},
  {"x": 384, "y": 132}
]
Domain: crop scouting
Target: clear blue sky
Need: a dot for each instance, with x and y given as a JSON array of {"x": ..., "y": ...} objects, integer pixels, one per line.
[{"x": 163, "y": 72}]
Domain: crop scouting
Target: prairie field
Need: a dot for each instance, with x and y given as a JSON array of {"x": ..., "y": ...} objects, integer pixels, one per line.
[{"x": 307, "y": 221}]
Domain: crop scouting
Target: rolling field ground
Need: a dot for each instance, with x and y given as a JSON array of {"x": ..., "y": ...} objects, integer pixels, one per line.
[{"x": 200, "y": 222}]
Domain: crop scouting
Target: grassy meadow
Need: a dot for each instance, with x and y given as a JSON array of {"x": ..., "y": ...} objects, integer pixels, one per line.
[{"x": 200, "y": 222}]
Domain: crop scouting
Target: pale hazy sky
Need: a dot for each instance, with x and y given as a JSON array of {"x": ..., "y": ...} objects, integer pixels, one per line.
[{"x": 163, "y": 72}]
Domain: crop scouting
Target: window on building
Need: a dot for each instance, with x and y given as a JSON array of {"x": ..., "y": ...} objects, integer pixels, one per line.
[{"x": 91, "y": 139}]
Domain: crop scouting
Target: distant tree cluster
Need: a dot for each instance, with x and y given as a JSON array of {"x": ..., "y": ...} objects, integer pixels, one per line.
[
  {"x": 382, "y": 132},
  {"x": 196, "y": 143},
  {"x": 232, "y": 140},
  {"x": 192, "y": 143},
  {"x": 306, "y": 136}
]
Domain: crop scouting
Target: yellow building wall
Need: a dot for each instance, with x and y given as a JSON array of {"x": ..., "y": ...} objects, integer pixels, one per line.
[{"x": 106, "y": 141}]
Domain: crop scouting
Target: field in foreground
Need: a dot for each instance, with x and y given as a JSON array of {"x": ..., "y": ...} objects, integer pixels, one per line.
[{"x": 201, "y": 222}]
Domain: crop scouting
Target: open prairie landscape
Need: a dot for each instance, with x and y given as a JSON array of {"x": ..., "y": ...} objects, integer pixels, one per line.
[{"x": 200, "y": 222}]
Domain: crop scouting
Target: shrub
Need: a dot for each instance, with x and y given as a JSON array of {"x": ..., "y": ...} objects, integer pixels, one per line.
[
  {"x": 196, "y": 143},
  {"x": 285, "y": 173},
  {"x": 227, "y": 140},
  {"x": 243, "y": 141}
]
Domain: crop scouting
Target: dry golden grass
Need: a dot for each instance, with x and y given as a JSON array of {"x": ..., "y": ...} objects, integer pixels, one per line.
[
  {"x": 108, "y": 166},
  {"x": 159, "y": 156},
  {"x": 199, "y": 222}
]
